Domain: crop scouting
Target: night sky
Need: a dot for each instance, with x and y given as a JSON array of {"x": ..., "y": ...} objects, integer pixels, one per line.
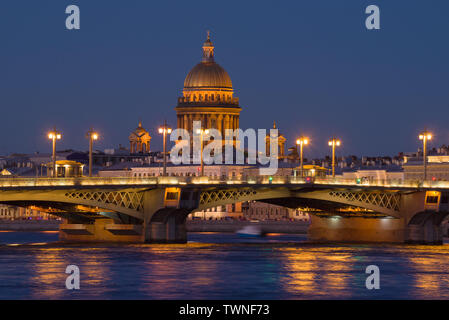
[{"x": 310, "y": 65}]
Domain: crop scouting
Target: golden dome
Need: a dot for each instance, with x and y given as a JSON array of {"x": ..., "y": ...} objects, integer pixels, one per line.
[
  {"x": 208, "y": 74},
  {"x": 139, "y": 130}
]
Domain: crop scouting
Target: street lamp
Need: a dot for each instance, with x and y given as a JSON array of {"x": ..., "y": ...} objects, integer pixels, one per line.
[
  {"x": 202, "y": 132},
  {"x": 164, "y": 130},
  {"x": 301, "y": 142},
  {"x": 424, "y": 136},
  {"x": 91, "y": 135},
  {"x": 334, "y": 143},
  {"x": 54, "y": 135}
]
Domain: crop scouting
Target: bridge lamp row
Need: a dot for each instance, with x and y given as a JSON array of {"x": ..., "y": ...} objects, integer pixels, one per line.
[
  {"x": 54, "y": 135},
  {"x": 167, "y": 130},
  {"x": 425, "y": 135},
  {"x": 305, "y": 141},
  {"x": 58, "y": 136},
  {"x": 202, "y": 131},
  {"x": 92, "y": 135},
  {"x": 334, "y": 142},
  {"x": 302, "y": 140}
]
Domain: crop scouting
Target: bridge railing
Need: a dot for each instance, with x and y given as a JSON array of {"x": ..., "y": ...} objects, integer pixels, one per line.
[
  {"x": 84, "y": 181},
  {"x": 177, "y": 180}
]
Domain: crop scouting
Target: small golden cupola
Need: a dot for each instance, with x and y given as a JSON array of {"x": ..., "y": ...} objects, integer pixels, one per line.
[
  {"x": 281, "y": 143},
  {"x": 139, "y": 140}
]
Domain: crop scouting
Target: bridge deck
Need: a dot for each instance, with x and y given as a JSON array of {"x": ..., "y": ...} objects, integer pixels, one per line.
[{"x": 204, "y": 182}]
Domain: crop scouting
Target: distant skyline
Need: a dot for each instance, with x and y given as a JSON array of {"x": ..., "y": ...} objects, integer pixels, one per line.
[{"x": 311, "y": 66}]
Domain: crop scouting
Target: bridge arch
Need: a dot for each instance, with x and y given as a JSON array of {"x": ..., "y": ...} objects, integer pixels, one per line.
[
  {"x": 222, "y": 196},
  {"x": 384, "y": 202},
  {"x": 125, "y": 201}
]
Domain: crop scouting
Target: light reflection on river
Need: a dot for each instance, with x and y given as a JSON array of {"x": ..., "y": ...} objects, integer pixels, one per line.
[{"x": 219, "y": 266}]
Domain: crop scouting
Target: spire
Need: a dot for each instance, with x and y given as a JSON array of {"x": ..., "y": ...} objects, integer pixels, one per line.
[
  {"x": 140, "y": 124},
  {"x": 274, "y": 124},
  {"x": 208, "y": 49}
]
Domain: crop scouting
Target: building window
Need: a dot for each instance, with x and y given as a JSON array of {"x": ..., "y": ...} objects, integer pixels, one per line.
[{"x": 432, "y": 199}]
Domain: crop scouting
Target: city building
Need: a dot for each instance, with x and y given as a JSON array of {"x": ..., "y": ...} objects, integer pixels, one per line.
[
  {"x": 116, "y": 156},
  {"x": 8, "y": 212},
  {"x": 65, "y": 169},
  {"x": 233, "y": 211},
  {"x": 311, "y": 170},
  {"x": 393, "y": 174},
  {"x": 286, "y": 168},
  {"x": 256, "y": 210},
  {"x": 437, "y": 164},
  {"x": 213, "y": 171},
  {"x": 437, "y": 171}
]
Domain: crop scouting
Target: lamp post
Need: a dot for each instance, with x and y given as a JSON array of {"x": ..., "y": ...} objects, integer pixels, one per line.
[
  {"x": 91, "y": 135},
  {"x": 301, "y": 142},
  {"x": 202, "y": 132},
  {"x": 164, "y": 130},
  {"x": 54, "y": 135},
  {"x": 334, "y": 143},
  {"x": 424, "y": 136}
]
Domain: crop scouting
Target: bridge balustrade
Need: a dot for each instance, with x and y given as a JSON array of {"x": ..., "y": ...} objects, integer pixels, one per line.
[{"x": 11, "y": 182}]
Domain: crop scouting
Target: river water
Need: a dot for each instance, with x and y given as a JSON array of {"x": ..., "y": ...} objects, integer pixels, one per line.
[{"x": 219, "y": 266}]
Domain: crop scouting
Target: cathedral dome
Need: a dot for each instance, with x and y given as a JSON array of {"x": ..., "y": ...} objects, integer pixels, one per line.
[
  {"x": 140, "y": 130},
  {"x": 208, "y": 74},
  {"x": 208, "y": 97}
]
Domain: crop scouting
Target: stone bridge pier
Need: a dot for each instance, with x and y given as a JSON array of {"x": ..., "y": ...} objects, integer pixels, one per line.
[
  {"x": 168, "y": 225},
  {"x": 356, "y": 229},
  {"x": 409, "y": 218},
  {"x": 143, "y": 215},
  {"x": 424, "y": 213},
  {"x": 425, "y": 228}
]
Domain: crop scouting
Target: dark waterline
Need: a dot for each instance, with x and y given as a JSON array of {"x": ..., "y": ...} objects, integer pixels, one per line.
[{"x": 219, "y": 266}]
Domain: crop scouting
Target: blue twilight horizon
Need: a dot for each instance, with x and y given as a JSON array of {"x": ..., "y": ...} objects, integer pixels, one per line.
[{"x": 311, "y": 66}]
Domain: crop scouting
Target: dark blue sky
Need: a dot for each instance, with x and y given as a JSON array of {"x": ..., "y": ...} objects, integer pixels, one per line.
[{"x": 310, "y": 65}]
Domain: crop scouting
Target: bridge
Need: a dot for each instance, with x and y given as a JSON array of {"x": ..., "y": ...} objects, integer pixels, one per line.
[{"x": 154, "y": 209}]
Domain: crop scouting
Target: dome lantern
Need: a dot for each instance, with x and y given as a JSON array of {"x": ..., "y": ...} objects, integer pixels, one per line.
[
  {"x": 207, "y": 75},
  {"x": 208, "y": 49}
]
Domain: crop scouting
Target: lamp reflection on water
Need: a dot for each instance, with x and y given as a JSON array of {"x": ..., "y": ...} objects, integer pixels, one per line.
[
  {"x": 313, "y": 272},
  {"x": 430, "y": 277},
  {"x": 48, "y": 271},
  {"x": 202, "y": 272}
]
